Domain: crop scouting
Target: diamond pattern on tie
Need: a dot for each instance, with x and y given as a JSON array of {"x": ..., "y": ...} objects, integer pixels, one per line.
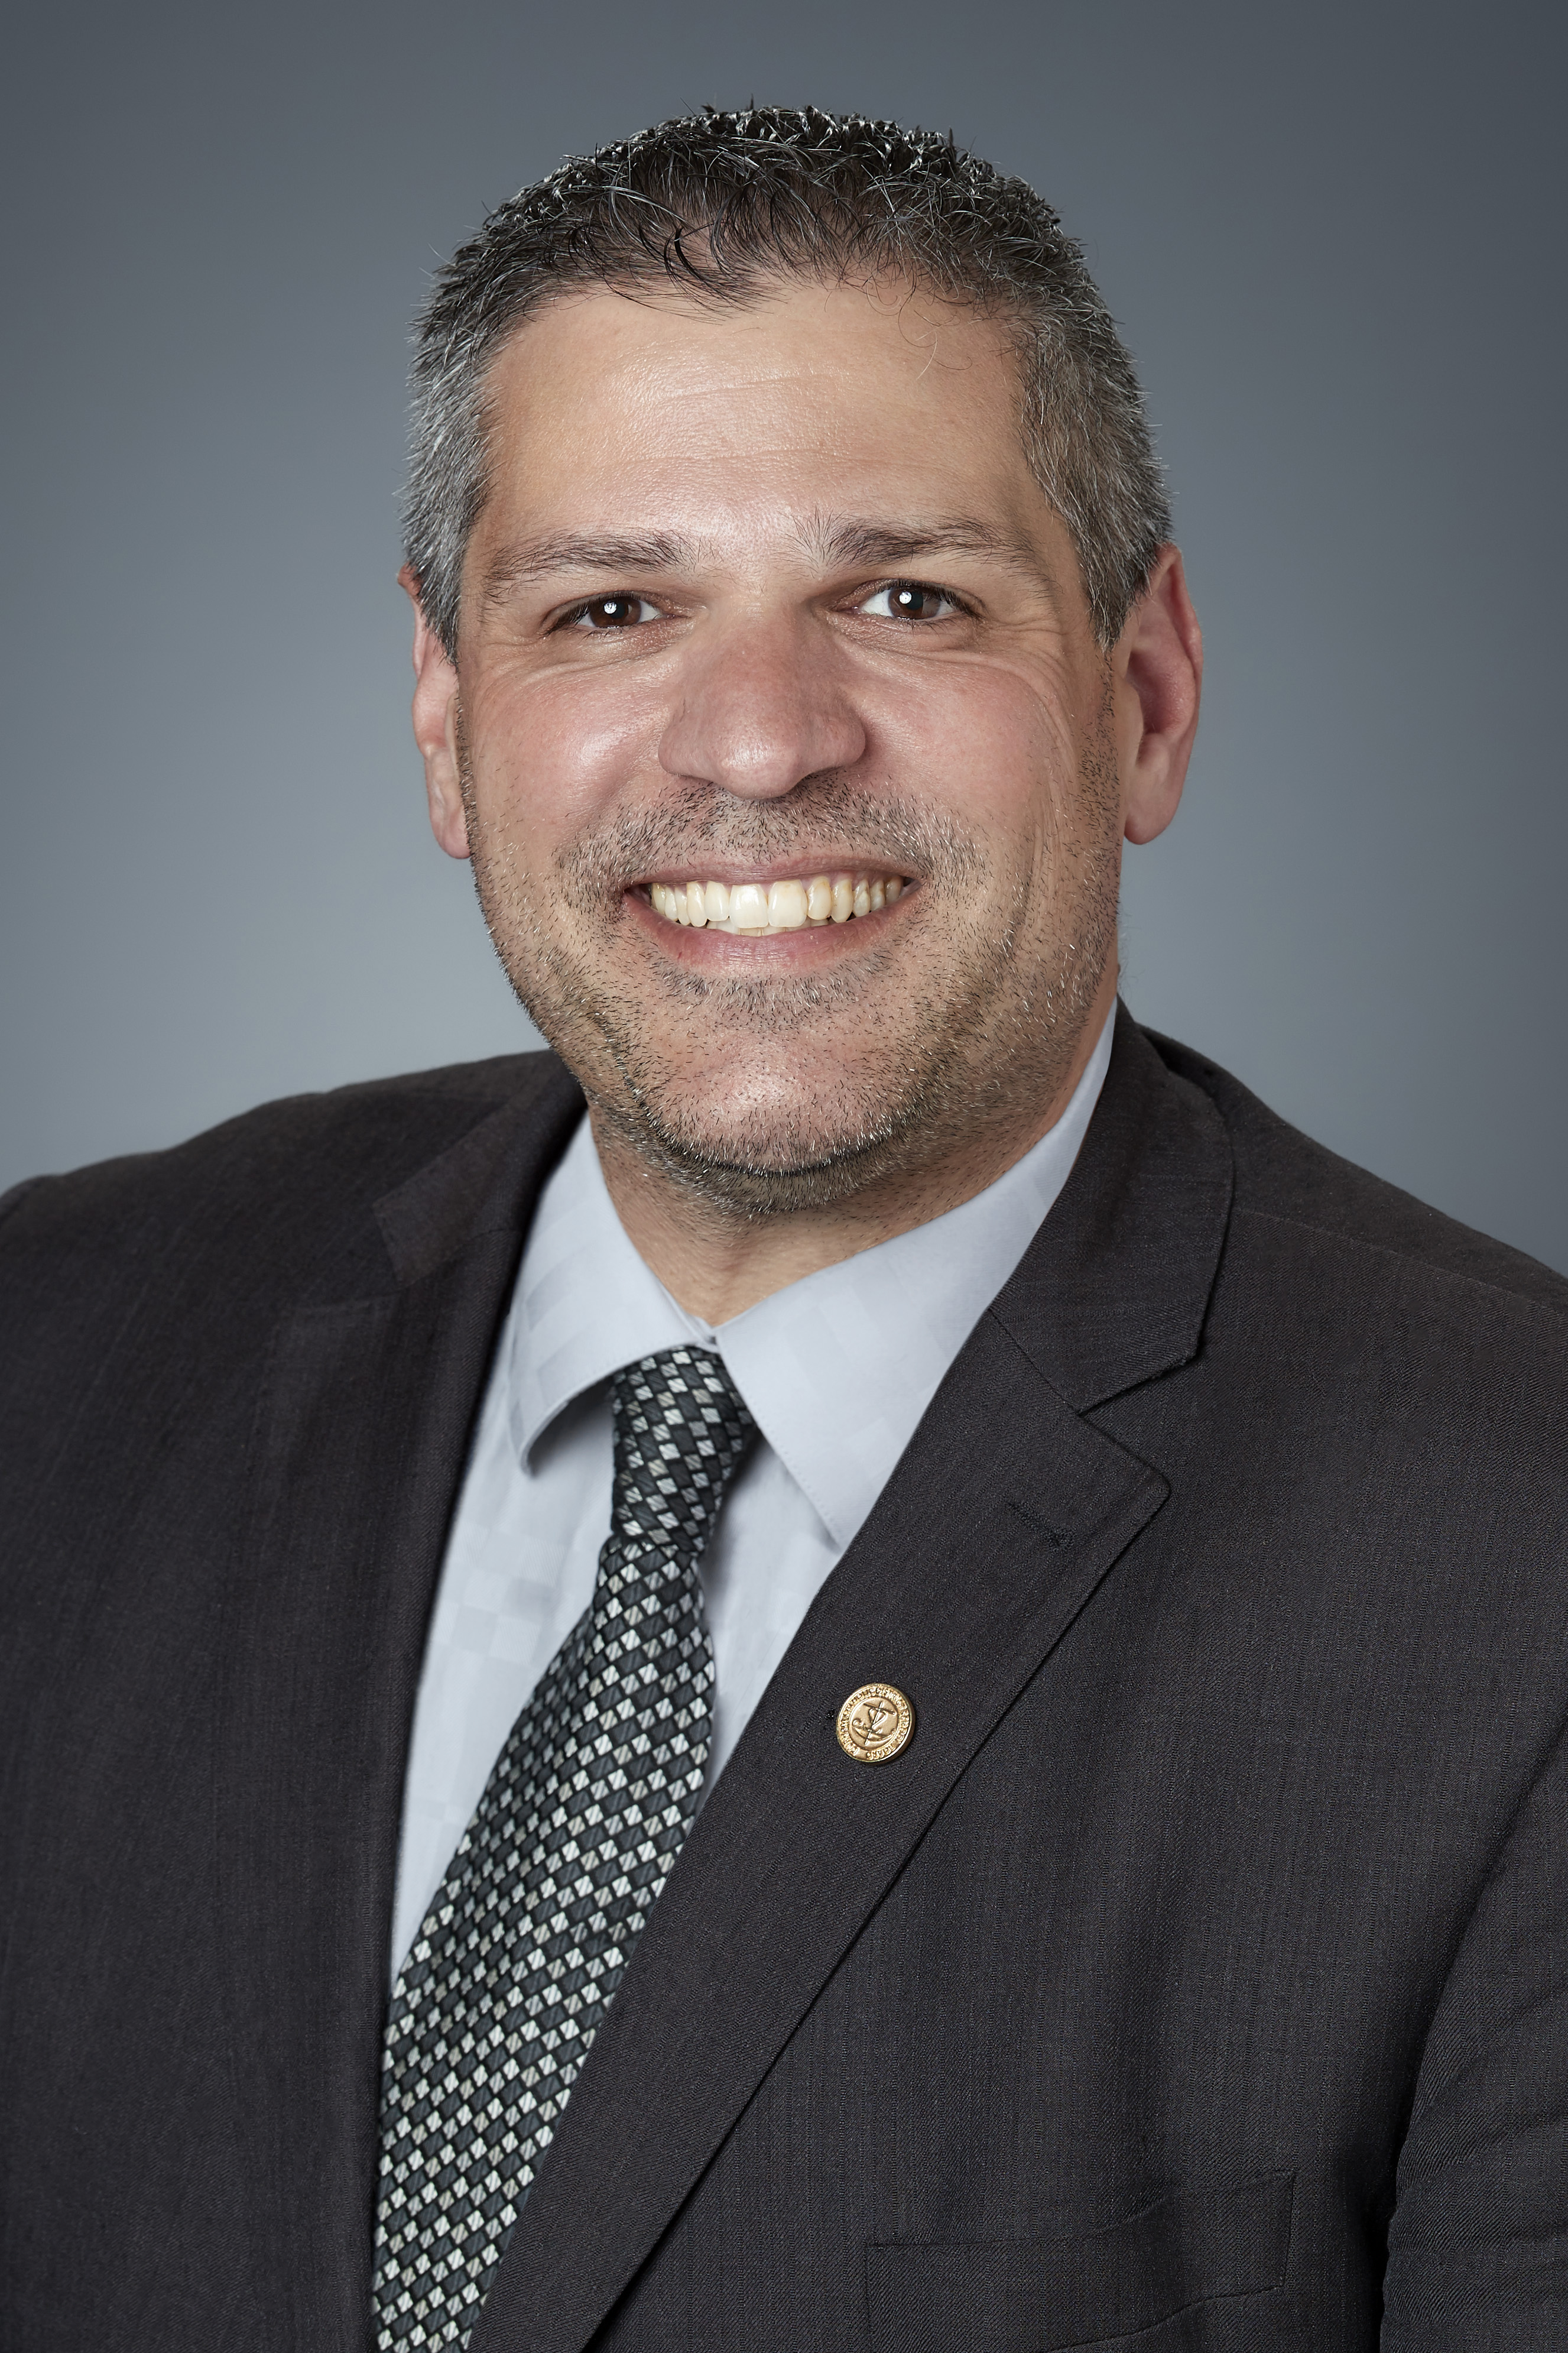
[{"x": 577, "y": 1830}]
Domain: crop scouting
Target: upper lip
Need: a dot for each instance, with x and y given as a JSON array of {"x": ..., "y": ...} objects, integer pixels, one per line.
[{"x": 730, "y": 871}]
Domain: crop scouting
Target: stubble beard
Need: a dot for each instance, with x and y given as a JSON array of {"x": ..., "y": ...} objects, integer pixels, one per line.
[{"x": 997, "y": 1010}]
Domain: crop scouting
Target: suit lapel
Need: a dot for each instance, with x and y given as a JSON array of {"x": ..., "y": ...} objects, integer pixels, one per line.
[
  {"x": 362, "y": 1432},
  {"x": 1004, "y": 1514}
]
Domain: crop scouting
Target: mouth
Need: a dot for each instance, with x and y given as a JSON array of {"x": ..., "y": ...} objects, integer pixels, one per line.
[{"x": 760, "y": 910}]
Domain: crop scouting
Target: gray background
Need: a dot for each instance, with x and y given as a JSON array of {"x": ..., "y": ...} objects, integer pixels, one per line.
[{"x": 1333, "y": 235}]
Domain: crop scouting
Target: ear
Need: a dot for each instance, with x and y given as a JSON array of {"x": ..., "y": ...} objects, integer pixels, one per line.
[
  {"x": 1157, "y": 666},
  {"x": 436, "y": 726}
]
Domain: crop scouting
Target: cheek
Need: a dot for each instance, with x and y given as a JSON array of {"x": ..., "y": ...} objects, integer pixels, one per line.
[
  {"x": 554, "y": 756},
  {"x": 984, "y": 745}
]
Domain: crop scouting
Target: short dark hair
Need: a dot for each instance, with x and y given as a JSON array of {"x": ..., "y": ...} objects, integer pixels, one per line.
[{"x": 721, "y": 205}]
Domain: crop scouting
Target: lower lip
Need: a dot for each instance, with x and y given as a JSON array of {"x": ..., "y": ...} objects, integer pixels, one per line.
[{"x": 812, "y": 943}]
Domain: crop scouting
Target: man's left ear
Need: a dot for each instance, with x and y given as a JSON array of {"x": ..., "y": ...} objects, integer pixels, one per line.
[
  {"x": 1157, "y": 666},
  {"x": 436, "y": 726}
]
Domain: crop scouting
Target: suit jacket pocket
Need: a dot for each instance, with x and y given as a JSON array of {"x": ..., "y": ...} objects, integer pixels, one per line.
[{"x": 1041, "y": 2295}]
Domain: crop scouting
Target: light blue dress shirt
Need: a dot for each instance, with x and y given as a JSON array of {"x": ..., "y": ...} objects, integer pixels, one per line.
[{"x": 837, "y": 1370}]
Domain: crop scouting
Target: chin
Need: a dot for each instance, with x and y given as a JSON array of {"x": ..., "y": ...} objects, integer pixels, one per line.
[
  {"x": 776, "y": 1152},
  {"x": 795, "y": 1121}
]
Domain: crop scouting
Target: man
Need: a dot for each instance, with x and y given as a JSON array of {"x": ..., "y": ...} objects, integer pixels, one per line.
[{"x": 908, "y": 1685}]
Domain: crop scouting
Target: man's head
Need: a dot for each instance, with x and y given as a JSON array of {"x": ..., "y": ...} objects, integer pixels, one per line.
[{"x": 783, "y": 511}]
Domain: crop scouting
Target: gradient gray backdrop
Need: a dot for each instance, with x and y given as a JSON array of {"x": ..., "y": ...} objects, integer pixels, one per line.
[{"x": 1333, "y": 236}]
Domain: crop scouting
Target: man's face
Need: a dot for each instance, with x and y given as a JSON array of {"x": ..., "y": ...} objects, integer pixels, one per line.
[{"x": 766, "y": 619}]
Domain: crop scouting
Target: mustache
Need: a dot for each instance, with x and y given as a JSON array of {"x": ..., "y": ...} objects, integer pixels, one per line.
[{"x": 822, "y": 821}]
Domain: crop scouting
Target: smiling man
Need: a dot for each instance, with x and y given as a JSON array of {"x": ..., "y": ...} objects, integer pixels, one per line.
[
  {"x": 794, "y": 770},
  {"x": 859, "y": 1659}
]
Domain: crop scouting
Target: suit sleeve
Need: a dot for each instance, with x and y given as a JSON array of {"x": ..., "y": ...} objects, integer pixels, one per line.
[{"x": 1478, "y": 2244}]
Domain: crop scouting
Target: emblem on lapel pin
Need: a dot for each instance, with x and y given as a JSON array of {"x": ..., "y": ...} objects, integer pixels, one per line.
[{"x": 875, "y": 1723}]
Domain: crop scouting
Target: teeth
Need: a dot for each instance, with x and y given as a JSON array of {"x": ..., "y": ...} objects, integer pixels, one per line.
[{"x": 787, "y": 906}]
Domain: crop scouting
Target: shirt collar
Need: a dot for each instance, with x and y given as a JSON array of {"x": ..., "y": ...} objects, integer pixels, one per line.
[{"x": 836, "y": 1369}]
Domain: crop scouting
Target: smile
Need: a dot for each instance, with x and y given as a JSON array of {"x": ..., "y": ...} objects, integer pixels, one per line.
[{"x": 763, "y": 907}]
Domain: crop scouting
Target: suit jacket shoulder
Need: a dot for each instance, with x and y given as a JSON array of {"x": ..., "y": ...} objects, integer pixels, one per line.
[
  {"x": 279, "y": 1201},
  {"x": 298, "y": 1157},
  {"x": 1283, "y": 1173},
  {"x": 142, "y": 1299}
]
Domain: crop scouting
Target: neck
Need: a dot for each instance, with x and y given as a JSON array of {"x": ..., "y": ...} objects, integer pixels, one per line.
[{"x": 717, "y": 1263}]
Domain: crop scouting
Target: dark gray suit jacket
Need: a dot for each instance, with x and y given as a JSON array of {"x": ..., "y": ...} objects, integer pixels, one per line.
[{"x": 1198, "y": 1976}]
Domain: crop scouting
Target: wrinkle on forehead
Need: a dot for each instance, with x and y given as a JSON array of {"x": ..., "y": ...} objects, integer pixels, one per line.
[
  {"x": 667, "y": 348},
  {"x": 640, "y": 438}
]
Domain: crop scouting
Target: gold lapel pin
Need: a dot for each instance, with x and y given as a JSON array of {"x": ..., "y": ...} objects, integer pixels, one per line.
[{"x": 875, "y": 1723}]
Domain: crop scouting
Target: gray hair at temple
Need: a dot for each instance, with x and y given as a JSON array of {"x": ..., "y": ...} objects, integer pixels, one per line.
[{"x": 720, "y": 206}]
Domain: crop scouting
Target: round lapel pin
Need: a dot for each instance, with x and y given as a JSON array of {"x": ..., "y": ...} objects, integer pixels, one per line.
[{"x": 875, "y": 1723}]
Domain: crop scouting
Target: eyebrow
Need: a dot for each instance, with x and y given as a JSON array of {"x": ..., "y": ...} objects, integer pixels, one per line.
[
  {"x": 837, "y": 542},
  {"x": 608, "y": 557},
  {"x": 856, "y": 540}
]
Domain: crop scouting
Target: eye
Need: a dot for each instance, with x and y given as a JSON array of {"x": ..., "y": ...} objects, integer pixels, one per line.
[
  {"x": 909, "y": 600},
  {"x": 621, "y": 611}
]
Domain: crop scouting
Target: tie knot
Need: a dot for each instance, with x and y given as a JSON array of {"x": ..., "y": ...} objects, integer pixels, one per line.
[{"x": 682, "y": 1428}]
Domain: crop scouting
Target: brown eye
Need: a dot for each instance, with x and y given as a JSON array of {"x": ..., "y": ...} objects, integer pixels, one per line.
[
  {"x": 612, "y": 613},
  {"x": 909, "y": 600}
]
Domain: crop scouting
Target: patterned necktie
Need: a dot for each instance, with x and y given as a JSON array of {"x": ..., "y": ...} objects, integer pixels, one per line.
[{"x": 578, "y": 1828}]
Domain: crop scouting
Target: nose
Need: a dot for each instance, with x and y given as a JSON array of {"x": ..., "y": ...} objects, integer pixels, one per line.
[{"x": 762, "y": 707}]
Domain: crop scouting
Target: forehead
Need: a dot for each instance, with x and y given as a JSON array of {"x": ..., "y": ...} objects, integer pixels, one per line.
[{"x": 611, "y": 409}]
